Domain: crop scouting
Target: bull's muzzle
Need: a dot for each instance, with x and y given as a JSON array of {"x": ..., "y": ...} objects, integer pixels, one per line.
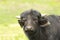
[{"x": 28, "y": 28}]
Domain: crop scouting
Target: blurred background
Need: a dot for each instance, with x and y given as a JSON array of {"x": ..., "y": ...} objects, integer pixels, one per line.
[{"x": 9, "y": 9}]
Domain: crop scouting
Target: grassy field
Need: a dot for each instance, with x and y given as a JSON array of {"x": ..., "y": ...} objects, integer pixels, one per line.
[{"x": 9, "y": 9}]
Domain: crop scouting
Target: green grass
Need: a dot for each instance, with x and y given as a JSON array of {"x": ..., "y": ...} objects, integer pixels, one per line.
[
  {"x": 9, "y": 9},
  {"x": 11, "y": 32}
]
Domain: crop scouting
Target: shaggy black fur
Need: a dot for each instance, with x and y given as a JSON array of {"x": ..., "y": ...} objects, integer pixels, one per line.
[{"x": 31, "y": 22}]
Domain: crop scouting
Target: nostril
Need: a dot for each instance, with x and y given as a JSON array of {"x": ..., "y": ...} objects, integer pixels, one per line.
[{"x": 28, "y": 28}]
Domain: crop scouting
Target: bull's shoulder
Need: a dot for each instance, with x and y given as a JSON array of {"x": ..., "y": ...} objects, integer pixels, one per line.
[{"x": 53, "y": 18}]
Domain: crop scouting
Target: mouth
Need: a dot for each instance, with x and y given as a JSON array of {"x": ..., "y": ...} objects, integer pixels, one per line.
[{"x": 30, "y": 32}]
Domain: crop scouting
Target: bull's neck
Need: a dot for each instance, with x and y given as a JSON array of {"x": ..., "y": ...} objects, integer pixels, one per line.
[
  {"x": 35, "y": 36},
  {"x": 39, "y": 35}
]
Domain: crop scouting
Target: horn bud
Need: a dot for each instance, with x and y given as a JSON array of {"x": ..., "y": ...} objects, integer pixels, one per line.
[
  {"x": 18, "y": 17},
  {"x": 43, "y": 15}
]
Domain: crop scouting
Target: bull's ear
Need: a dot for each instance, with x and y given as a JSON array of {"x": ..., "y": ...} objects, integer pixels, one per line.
[
  {"x": 43, "y": 22},
  {"x": 21, "y": 23}
]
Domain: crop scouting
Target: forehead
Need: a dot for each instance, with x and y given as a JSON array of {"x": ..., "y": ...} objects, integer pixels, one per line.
[{"x": 30, "y": 12}]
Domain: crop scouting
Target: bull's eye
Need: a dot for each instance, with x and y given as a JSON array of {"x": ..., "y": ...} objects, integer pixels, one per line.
[{"x": 35, "y": 19}]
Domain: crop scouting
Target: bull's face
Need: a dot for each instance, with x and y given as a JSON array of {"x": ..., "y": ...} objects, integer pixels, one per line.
[{"x": 30, "y": 21}]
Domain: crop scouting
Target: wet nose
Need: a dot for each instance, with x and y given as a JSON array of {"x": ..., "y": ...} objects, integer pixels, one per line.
[{"x": 28, "y": 28}]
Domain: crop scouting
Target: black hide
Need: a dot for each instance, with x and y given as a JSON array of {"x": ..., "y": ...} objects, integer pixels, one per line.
[{"x": 31, "y": 22}]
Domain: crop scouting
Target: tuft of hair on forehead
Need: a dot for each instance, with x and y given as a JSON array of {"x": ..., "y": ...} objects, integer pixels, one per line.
[{"x": 30, "y": 12}]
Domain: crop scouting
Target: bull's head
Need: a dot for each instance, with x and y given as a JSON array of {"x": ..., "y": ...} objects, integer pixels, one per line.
[{"x": 32, "y": 20}]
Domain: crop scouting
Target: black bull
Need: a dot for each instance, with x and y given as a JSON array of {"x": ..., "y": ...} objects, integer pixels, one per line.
[{"x": 38, "y": 27}]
